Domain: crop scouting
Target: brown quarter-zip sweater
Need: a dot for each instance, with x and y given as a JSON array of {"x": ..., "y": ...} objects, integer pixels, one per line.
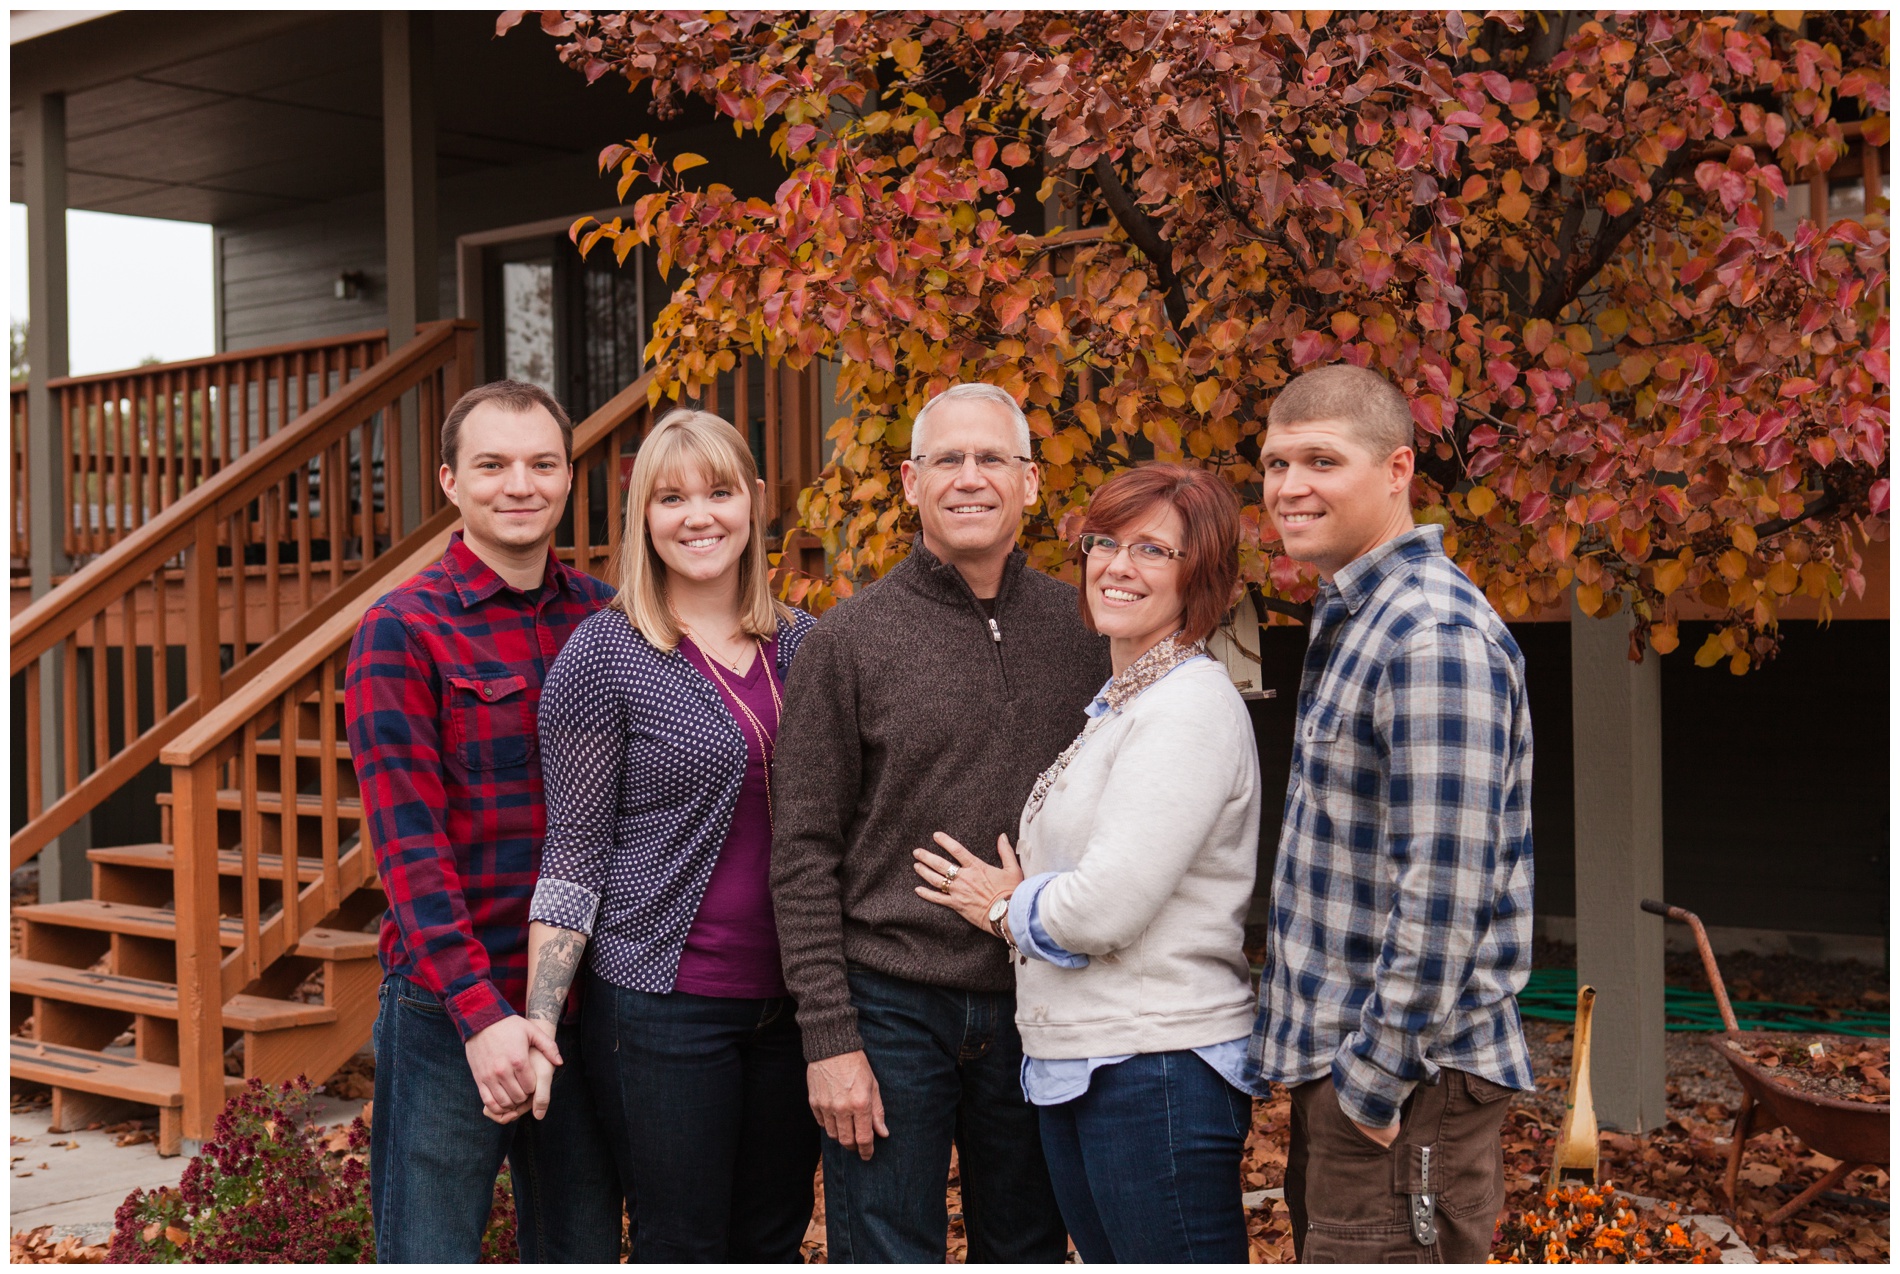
[{"x": 908, "y": 712}]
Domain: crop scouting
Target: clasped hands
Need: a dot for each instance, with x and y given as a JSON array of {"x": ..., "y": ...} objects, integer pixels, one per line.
[
  {"x": 967, "y": 885},
  {"x": 513, "y": 1064}
]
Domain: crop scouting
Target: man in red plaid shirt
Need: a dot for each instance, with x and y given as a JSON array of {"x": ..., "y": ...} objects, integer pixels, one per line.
[{"x": 444, "y": 678}]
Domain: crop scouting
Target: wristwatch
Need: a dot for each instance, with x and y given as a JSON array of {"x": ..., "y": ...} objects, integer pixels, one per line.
[{"x": 999, "y": 918}]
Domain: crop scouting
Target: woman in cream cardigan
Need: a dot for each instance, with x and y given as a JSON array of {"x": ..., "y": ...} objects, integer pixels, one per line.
[{"x": 1136, "y": 869}]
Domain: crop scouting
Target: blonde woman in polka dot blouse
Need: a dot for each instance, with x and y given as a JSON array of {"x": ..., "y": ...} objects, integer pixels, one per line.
[{"x": 657, "y": 726}]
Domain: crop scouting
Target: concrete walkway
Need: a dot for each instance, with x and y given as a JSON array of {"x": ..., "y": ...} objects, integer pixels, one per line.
[{"x": 75, "y": 1181}]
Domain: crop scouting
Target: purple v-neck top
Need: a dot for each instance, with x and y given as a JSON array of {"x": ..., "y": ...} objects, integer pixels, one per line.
[{"x": 732, "y": 948}]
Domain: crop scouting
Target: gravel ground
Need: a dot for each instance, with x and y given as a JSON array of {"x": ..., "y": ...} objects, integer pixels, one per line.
[{"x": 1696, "y": 1074}]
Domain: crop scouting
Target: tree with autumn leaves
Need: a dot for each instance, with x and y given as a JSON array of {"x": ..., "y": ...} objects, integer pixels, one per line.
[{"x": 1552, "y": 231}]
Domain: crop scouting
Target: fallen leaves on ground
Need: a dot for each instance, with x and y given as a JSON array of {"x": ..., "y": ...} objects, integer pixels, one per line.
[
  {"x": 28, "y": 1096},
  {"x": 1263, "y": 1167},
  {"x": 355, "y": 1080},
  {"x": 1846, "y": 1068},
  {"x": 1683, "y": 1163},
  {"x": 39, "y": 1247}
]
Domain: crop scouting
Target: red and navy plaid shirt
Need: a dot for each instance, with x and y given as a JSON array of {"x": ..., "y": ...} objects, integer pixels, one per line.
[{"x": 444, "y": 679}]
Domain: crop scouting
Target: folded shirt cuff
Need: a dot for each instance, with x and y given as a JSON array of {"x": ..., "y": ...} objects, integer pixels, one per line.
[
  {"x": 477, "y": 1008},
  {"x": 565, "y": 905},
  {"x": 1367, "y": 1094},
  {"x": 1025, "y": 925}
]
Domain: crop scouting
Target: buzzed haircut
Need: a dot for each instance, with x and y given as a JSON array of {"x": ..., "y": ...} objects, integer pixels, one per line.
[
  {"x": 1363, "y": 399},
  {"x": 512, "y": 396}
]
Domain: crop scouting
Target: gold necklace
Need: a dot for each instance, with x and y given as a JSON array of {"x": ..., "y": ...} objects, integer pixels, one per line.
[
  {"x": 710, "y": 654},
  {"x": 778, "y": 713}
]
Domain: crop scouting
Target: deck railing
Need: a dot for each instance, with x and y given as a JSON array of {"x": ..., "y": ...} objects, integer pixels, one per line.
[
  {"x": 205, "y": 569},
  {"x": 244, "y": 745},
  {"x": 138, "y": 440}
]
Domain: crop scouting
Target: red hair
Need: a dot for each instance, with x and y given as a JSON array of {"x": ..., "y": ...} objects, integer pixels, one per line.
[{"x": 1210, "y": 535}]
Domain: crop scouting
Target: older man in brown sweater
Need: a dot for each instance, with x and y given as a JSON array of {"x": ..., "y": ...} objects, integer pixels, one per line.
[{"x": 928, "y": 702}]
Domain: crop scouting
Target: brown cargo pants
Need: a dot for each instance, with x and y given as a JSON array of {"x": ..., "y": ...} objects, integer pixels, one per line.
[{"x": 1433, "y": 1196}]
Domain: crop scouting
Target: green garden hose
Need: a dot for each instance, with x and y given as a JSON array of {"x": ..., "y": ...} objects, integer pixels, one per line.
[{"x": 1552, "y": 997}]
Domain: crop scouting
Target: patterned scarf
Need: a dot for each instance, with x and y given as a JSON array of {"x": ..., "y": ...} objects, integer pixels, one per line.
[{"x": 1159, "y": 660}]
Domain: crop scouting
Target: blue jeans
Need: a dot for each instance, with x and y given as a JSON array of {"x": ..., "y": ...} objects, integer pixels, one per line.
[
  {"x": 1146, "y": 1163},
  {"x": 433, "y": 1155},
  {"x": 947, "y": 1064},
  {"x": 703, "y": 1100}
]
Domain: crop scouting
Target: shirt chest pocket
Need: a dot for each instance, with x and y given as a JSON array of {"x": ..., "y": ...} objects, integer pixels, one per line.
[
  {"x": 1320, "y": 730},
  {"x": 1325, "y": 749},
  {"x": 1340, "y": 766},
  {"x": 490, "y": 726}
]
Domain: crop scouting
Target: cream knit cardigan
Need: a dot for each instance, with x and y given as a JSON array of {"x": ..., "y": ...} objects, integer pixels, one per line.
[{"x": 1155, "y": 826}]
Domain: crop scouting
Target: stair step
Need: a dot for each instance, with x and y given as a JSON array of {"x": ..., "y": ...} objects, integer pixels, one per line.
[
  {"x": 272, "y": 803},
  {"x": 157, "y": 922},
  {"x": 108, "y": 1074},
  {"x": 156, "y": 999},
  {"x": 158, "y": 857}
]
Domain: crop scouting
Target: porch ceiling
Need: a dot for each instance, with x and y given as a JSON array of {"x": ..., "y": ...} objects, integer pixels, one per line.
[{"x": 215, "y": 117}]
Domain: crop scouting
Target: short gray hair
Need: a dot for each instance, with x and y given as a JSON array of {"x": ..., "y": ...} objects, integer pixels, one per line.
[
  {"x": 1369, "y": 404},
  {"x": 995, "y": 396}
]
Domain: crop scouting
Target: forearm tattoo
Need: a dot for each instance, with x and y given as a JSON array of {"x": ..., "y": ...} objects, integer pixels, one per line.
[{"x": 555, "y": 965}]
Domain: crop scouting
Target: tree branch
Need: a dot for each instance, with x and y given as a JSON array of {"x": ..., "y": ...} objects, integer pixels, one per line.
[
  {"x": 1302, "y": 611},
  {"x": 1558, "y": 292},
  {"x": 1142, "y": 233},
  {"x": 1821, "y": 504}
]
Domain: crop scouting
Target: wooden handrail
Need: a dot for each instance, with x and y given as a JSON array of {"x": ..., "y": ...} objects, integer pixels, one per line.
[
  {"x": 65, "y": 607},
  {"x": 129, "y": 443},
  {"x": 225, "y": 359},
  {"x": 146, "y": 432},
  {"x": 338, "y": 470},
  {"x": 198, "y": 741}
]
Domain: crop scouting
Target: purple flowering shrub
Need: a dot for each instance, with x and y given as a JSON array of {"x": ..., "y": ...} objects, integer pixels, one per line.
[
  {"x": 499, "y": 1244},
  {"x": 271, "y": 1187},
  {"x": 265, "y": 1188}
]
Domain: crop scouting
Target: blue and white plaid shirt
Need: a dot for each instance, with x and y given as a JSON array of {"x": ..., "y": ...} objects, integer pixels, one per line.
[{"x": 1402, "y": 895}]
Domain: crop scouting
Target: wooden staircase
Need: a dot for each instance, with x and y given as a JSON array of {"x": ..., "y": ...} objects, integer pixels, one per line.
[
  {"x": 127, "y": 996},
  {"x": 243, "y": 943},
  {"x": 95, "y": 996}
]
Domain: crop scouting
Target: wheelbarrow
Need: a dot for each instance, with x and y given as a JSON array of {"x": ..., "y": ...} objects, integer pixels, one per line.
[{"x": 1855, "y": 1133}]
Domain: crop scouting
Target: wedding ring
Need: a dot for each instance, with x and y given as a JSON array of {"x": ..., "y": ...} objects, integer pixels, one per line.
[{"x": 950, "y": 877}]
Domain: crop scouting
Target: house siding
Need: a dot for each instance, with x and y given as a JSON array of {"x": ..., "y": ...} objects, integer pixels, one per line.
[{"x": 278, "y": 271}]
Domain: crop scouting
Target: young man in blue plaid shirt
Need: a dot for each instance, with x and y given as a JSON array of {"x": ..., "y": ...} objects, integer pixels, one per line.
[{"x": 1401, "y": 915}]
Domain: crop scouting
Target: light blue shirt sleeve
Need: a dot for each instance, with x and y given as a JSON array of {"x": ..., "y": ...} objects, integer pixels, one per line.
[{"x": 1024, "y": 925}]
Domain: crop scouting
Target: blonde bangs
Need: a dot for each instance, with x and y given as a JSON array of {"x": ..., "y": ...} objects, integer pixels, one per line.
[
  {"x": 688, "y": 441},
  {"x": 685, "y": 451}
]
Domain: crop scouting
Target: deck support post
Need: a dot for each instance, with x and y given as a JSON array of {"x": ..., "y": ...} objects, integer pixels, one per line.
[
  {"x": 64, "y": 872},
  {"x": 409, "y": 218},
  {"x": 1616, "y": 728}
]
